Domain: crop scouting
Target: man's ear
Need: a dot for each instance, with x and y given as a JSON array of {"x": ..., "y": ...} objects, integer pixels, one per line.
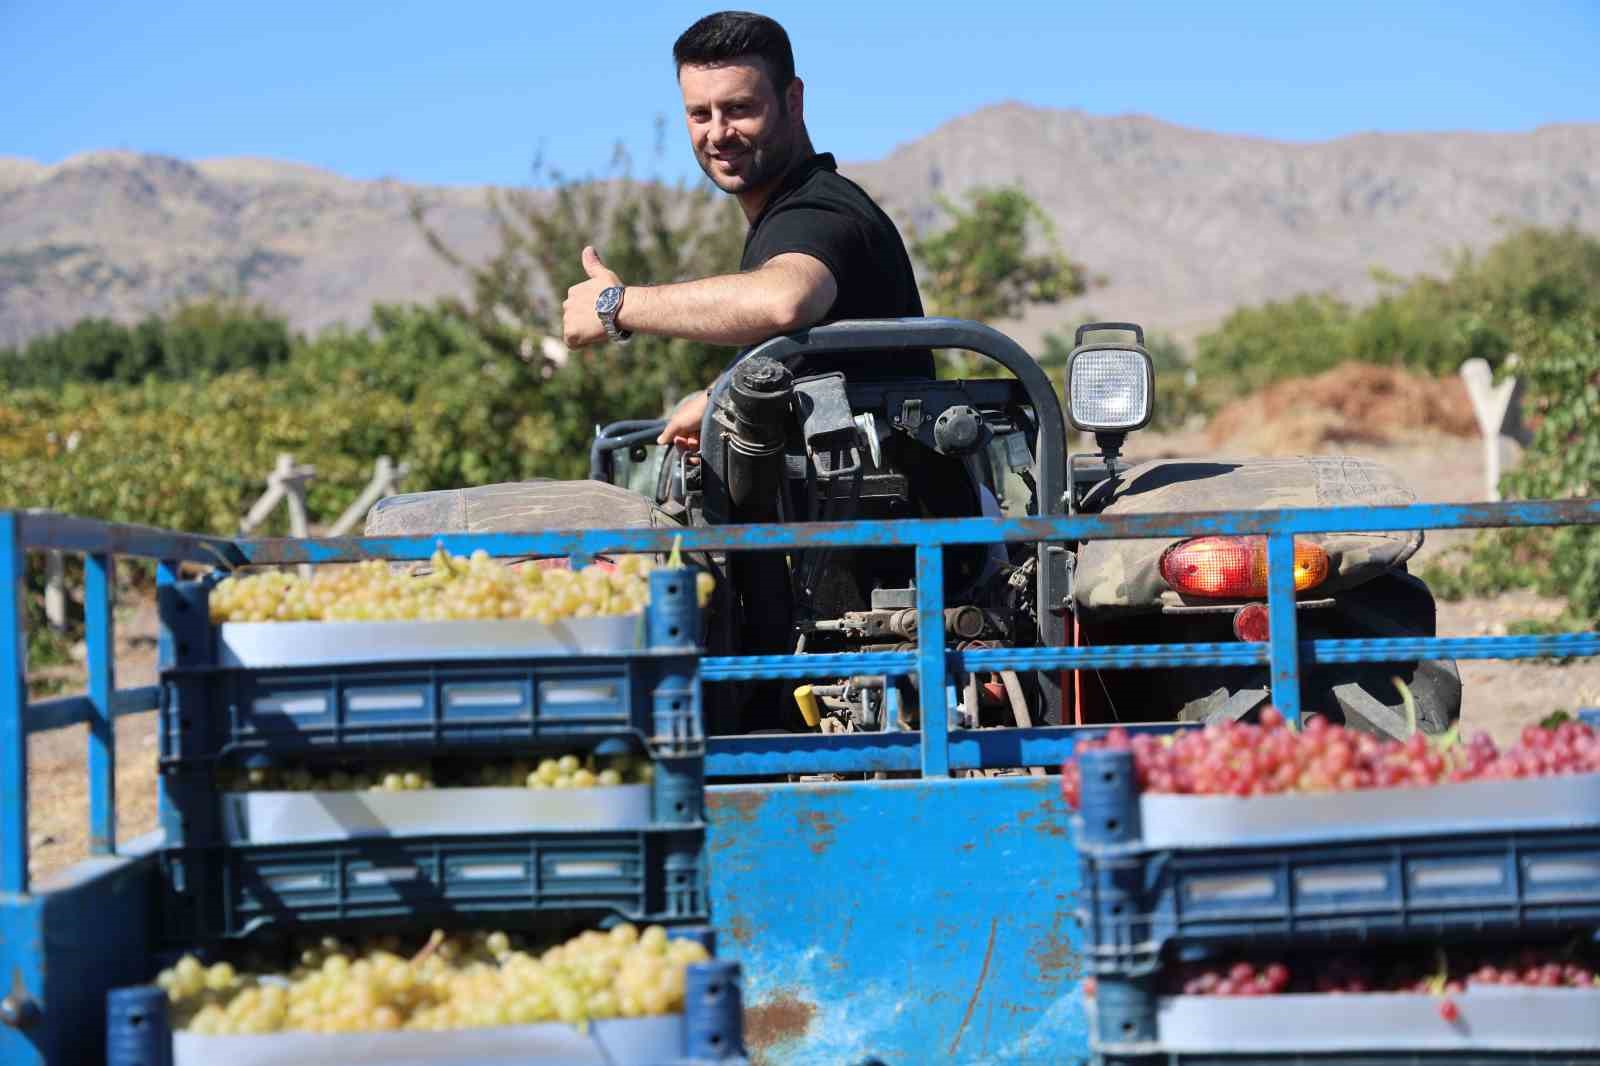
[{"x": 795, "y": 99}]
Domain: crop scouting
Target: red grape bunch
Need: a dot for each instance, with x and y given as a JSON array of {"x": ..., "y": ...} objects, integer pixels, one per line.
[
  {"x": 1241, "y": 759},
  {"x": 1399, "y": 970}
]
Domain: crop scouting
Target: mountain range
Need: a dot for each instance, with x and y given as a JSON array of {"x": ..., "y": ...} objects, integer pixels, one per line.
[{"x": 1182, "y": 224}]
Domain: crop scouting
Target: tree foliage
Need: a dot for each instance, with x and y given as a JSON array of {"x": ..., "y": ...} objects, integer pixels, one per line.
[
  {"x": 197, "y": 339},
  {"x": 649, "y": 232},
  {"x": 1425, "y": 323},
  {"x": 982, "y": 264},
  {"x": 419, "y": 385},
  {"x": 979, "y": 265},
  {"x": 1558, "y": 363}
]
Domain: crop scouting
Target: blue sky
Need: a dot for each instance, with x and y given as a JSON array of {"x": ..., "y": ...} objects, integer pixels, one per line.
[{"x": 469, "y": 92}]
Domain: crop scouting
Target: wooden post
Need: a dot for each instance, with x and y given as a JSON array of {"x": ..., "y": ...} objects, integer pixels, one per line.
[
  {"x": 287, "y": 482},
  {"x": 1489, "y": 404},
  {"x": 385, "y": 474}
]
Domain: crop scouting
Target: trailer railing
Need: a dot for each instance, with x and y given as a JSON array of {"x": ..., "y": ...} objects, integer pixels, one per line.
[{"x": 936, "y": 749}]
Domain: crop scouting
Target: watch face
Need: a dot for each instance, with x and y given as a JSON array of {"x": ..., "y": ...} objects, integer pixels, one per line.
[{"x": 608, "y": 300}]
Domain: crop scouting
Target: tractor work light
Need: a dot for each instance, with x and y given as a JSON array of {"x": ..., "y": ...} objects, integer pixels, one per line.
[
  {"x": 1110, "y": 387},
  {"x": 1236, "y": 567}
]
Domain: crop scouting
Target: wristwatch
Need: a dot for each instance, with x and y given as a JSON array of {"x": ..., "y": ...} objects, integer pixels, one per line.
[{"x": 606, "y": 305}]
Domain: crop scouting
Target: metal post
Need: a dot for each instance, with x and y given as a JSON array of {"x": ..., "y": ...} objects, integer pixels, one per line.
[
  {"x": 1284, "y": 639},
  {"x": 166, "y": 657},
  {"x": 13, "y": 704},
  {"x": 935, "y": 710},
  {"x": 99, "y": 575}
]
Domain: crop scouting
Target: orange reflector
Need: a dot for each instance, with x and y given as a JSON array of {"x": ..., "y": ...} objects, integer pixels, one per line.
[{"x": 1236, "y": 567}]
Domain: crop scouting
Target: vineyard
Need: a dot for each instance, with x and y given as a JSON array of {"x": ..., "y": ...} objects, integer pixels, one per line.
[{"x": 381, "y": 798}]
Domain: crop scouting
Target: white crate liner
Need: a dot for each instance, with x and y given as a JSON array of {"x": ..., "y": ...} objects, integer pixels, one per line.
[
  {"x": 1565, "y": 802},
  {"x": 265, "y": 644},
  {"x": 1501, "y": 1019},
  {"x": 614, "y": 1042},
  {"x": 289, "y": 817}
]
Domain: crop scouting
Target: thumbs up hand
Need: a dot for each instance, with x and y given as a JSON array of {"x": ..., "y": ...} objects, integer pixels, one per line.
[{"x": 580, "y": 325}]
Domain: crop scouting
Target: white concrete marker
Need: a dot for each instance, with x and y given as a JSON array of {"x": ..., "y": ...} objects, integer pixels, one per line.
[{"x": 1489, "y": 404}]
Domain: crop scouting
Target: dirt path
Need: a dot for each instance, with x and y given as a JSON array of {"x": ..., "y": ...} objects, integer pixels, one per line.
[{"x": 1500, "y": 696}]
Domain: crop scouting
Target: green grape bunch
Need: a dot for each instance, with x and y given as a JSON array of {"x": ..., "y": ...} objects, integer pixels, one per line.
[
  {"x": 454, "y": 588},
  {"x": 453, "y": 982},
  {"x": 562, "y": 772}
]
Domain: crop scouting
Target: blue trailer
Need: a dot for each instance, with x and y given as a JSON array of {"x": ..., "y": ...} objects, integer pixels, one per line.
[{"x": 919, "y": 918}]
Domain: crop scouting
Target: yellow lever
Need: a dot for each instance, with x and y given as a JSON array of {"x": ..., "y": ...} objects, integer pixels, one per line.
[{"x": 808, "y": 705}]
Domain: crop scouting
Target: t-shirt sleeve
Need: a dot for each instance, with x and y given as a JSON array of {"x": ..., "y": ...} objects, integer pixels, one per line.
[{"x": 829, "y": 236}]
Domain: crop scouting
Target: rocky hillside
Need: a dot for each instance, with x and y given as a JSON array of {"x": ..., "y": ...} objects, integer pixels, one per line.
[
  {"x": 1187, "y": 225},
  {"x": 1184, "y": 224},
  {"x": 121, "y": 234}
]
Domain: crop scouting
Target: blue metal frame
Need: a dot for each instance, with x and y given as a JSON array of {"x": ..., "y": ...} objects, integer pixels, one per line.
[
  {"x": 936, "y": 751},
  {"x": 943, "y": 882}
]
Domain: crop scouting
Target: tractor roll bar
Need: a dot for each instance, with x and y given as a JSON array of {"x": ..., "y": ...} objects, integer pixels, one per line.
[
  {"x": 1054, "y": 591},
  {"x": 616, "y": 437},
  {"x": 900, "y": 334}
]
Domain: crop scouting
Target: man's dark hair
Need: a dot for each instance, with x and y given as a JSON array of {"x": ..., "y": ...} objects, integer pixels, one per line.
[{"x": 729, "y": 35}]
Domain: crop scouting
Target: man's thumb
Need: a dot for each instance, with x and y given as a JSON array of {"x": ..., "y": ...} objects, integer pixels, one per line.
[{"x": 591, "y": 263}]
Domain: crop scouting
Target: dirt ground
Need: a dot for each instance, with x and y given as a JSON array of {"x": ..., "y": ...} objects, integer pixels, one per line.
[{"x": 1500, "y": 696}]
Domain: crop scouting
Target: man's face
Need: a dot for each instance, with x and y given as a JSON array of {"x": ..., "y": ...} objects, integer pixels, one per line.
[{"x": 741, "y": 137}]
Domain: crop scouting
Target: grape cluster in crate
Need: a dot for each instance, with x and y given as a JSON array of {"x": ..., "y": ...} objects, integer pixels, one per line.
[
  {"x": 1257, "y": 893},
  {"x": 378, "y": 849},
  {"x": 571, "y": 770},
  {"x": 449, "y": 588},
  {"x": 486, "y": 979}
]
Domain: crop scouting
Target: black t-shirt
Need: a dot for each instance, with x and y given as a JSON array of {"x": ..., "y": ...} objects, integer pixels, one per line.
[{"x": 832, "y": 219}]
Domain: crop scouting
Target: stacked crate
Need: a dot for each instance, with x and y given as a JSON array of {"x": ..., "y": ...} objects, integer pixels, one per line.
[
  {"x": 220, "y": 885},
  {"x": 1167, "y": 877}
]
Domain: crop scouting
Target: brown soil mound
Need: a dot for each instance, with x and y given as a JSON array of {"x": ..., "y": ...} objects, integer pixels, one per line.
[{"x": 1353, "y": 403}]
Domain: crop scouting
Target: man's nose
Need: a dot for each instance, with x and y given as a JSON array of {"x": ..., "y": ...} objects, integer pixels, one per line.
[{"x": 721, "y": 129}]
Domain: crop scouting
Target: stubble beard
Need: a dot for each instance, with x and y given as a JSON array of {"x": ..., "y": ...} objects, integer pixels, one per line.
[{"x": 768, "y": 162}]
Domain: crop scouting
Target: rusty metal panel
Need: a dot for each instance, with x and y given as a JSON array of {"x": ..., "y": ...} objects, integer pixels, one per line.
[{"x": 915, "y": 921}]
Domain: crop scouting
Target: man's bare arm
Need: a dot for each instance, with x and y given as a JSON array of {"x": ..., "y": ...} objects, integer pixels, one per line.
[{"x": 789, "y": 292}]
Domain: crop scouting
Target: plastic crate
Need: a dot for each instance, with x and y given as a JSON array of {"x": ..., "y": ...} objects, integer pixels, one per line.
[
  {"x": 1369, "y": 866},
  {"x": 200, "y": 815},
  {"x": 645, "y": 875},
  {"x": 709, "y": 1030},
  {"x": 209, "y": 711},
  {"x": 296, "y": 817},
  {"x": 213, "y": 712},
  {"x": 1498, "y": 1025}
]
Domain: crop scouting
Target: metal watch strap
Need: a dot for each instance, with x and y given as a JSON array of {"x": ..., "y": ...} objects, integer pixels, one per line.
[{"x": 609, "y": 319}]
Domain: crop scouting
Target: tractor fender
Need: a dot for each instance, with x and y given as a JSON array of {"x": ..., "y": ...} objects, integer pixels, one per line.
[
  {"x": 515, "y": 507},
  {"x": 1115, "y": 575}
]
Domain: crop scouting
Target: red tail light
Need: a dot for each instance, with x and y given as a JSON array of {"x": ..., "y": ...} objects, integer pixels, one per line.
[
  {"x": 1251, "y": 623},
  {"x": 1236, "y": 567}
]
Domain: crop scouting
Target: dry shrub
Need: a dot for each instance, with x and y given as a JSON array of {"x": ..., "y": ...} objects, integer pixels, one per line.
[{"x": 1355, "y": 403}]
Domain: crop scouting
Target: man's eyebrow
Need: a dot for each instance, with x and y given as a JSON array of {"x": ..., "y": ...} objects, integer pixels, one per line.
[{"x": 743, "y": 100}]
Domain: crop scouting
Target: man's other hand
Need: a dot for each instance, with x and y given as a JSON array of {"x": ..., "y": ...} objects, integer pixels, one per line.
[
  {"x": 580, "y": 325},
  {"x": 683, "y": 425}
]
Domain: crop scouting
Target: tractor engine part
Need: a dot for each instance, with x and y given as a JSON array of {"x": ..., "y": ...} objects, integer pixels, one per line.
[
  {"x": 964, "y": 622},
  {"x": 754, "y": 415},
  {"x": 958, "y": 430}
]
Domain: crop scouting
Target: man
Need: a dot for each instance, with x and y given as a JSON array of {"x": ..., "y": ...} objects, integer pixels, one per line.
[{"x": 819, "y": 249}]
